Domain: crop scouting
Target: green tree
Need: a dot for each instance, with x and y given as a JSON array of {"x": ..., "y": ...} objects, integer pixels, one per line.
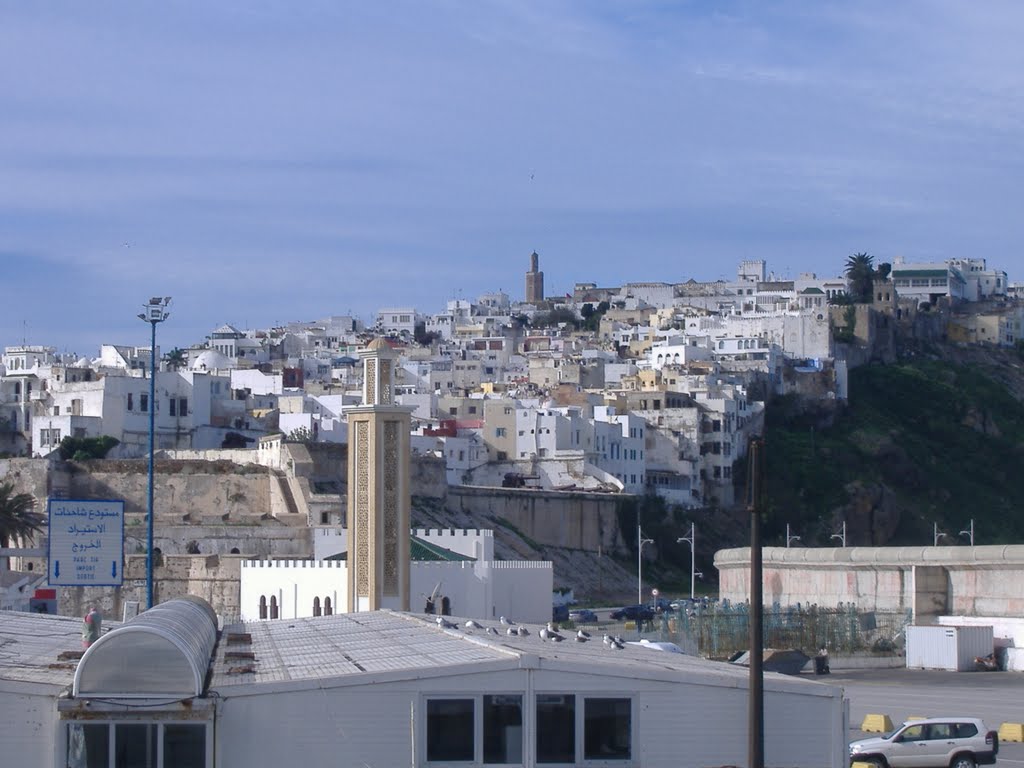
[
  {"x": 83, "y": 448},
  {"x": 860, "y": 272},
  {"x": 176, "y": 358},
  {"x": 18, "y": 518}
]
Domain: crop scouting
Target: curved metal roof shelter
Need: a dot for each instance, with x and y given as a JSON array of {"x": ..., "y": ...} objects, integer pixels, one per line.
[{"x": 163, "y": 653}]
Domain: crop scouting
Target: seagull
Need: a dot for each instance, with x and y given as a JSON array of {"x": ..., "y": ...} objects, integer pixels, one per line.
[
  {"x": 607, "y": 639},
  {"x": 492, "y": 631},
  {"x": 617, "y": 645},
  {"x": 507, "y": 622},
  {"x": 472, "y": 625},
  {"x": 545, "y": 633},
  {"x": 549, "y": 633},
  {"x": 512, "y": 632},
  {"x": 555, "y": 637},
  {"x": 522, "y": 631},
  {"x": 443, "y": 623},
  {"x": 583, "y": 635}
]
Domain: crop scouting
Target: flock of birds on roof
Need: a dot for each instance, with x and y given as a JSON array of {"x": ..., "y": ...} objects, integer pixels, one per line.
[{"x": 547, "y": 633}]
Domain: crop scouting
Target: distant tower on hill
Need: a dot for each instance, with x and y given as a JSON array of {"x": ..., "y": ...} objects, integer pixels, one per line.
[
  {"x": 378, "y": 488},
  {"x": 534, "y": 281}
]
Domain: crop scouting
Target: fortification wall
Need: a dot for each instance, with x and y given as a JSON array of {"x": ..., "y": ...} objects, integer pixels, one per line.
[{"x": 574, "y": 520}]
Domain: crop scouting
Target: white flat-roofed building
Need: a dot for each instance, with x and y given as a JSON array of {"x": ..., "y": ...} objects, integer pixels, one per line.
[{"x": 385, "y": 689}]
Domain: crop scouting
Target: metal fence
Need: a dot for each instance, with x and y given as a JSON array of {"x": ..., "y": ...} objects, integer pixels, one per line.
[{"x": 718, "y": 630}]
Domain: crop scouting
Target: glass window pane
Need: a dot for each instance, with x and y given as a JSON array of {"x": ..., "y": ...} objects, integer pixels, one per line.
[
  {"x": 607, "y": 729},
  {"x": 88, "y": 745},
  {"x": 556, "y": 728},
  {"x": 135, "y": 745},
  {"x": 503, "y": 729},
  {"x": 450, "y": 730},
  {"x": 184, "y": 746}
]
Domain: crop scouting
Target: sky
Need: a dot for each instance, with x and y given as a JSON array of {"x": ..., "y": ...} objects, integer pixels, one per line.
[{"x": 267, "y": 162}]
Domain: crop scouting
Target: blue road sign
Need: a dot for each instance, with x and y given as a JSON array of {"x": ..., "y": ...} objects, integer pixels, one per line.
[{"x": 86, "y": 543}]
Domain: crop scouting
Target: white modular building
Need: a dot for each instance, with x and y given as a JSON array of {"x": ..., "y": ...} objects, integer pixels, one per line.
[{"x": 384, "y": 688}]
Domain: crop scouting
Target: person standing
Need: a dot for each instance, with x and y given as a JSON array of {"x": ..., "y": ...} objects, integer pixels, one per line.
[{"x": 91, "y": 626}]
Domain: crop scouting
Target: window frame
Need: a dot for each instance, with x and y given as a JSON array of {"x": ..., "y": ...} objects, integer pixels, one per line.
[
  {"x": 114, "y": 719},
  {"x": 580, "y": 725},
  {"x": 478, "y": 727}
]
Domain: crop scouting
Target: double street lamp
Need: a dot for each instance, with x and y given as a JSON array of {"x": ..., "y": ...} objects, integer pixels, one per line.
[
  {"x": 155, "y": 311},
  {"x": 693, "y": 555}
]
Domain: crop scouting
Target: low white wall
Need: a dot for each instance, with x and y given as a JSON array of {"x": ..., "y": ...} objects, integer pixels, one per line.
[{"x": 479, "y": 590}]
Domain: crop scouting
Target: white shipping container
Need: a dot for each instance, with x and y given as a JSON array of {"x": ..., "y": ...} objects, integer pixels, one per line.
[{"x": 949, "y": 648}]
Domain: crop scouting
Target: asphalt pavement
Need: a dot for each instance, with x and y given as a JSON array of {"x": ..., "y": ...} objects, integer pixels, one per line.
[{"x": 995, "y": 697}]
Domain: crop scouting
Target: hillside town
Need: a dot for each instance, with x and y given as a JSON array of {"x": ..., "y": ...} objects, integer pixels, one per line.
[
  {"x": 287, "y": 467},
  {"x": 644, "y": 387}
]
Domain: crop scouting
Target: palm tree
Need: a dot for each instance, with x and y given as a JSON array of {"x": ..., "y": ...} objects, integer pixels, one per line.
[
  {"x": 18, "y": 518},
  {"x": 176, "y": 358},
  {"x": 860, "y": 272}
]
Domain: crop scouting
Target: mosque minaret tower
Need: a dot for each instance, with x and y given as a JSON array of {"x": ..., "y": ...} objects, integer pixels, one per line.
[{"x": 378, "y": 488}]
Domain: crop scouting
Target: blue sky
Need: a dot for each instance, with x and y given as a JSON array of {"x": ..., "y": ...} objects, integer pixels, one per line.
[{"x": 263, "y": 162}]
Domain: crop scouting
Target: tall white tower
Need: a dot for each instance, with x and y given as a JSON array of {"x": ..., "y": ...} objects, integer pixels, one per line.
[{"x": 378, "y": 488}]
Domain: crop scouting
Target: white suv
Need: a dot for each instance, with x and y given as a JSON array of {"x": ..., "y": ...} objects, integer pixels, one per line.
[{"x": 938, "y": 742}]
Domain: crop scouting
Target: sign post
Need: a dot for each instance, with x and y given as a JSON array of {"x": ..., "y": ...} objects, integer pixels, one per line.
[{"x": 86, "y": 543}]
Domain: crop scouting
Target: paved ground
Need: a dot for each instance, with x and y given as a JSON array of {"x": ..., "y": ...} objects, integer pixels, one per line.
[{"x": 996, "y": 697}]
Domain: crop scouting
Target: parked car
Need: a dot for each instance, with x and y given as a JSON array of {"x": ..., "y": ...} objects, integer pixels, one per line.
[
  {"x": 939, "y": 742},
  {"x": 633, "y": 613},
  {"x": 661, "y": 605},
  {"x": 583, "y": 616}
]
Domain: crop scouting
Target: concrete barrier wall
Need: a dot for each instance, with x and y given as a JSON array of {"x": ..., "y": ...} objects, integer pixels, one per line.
[{"x": 985, "y": 580}]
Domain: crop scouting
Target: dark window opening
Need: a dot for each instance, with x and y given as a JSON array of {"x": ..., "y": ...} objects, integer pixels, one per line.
[{"x": 450, "y": 730}]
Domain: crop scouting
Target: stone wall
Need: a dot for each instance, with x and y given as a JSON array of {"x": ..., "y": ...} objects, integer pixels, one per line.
[{"x": 573, "y": 520}]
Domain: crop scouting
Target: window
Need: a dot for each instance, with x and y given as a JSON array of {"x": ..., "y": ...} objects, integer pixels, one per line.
[
  {"x": 500, "y": 432},
  {"x": 450, "y": 730},
  {"x": 173, "y": 406},
  {"x": 183, "y": 407},
  {"x": 607, "y": 729},
  {"x": 137, "y": 743},
  {"x": 556, "y": 728},
  {"x": 503, "y": 729},
  {"x": 144, "y": 403},
  {"x": 129, "y": 401}
]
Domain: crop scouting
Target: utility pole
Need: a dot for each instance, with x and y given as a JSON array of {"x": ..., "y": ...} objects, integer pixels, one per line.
[
  {"x": 755, "y": 505},
  {"x": 840, "y": 536},
  {"x": 691, "y": 539},
  {"x": 790, "y": 539},
  {"x": 640, "y": 541},
  {"x": 969, "y": 532}
]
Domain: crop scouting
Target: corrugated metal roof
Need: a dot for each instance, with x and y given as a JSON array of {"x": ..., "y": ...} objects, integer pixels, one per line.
[
  {"x": 360, "y": 644},
  {"x": 39, "y": 648}
]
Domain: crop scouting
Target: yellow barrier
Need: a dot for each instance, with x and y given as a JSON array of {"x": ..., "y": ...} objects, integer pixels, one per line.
[
  {"x": 916, "y": 717},
  {"x": 876, "y": 724},
  {"x": 861, "y": 764},
  {"x": 1011, "y": 732}
]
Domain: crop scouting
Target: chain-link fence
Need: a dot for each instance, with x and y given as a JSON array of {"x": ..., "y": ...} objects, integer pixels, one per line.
[{"x": 718, "y": 630}]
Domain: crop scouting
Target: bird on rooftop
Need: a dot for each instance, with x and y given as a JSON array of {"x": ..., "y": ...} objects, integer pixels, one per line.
[
  {"x": 492, "y": 631},
  {"x": 507, "y": 622},
  {"x": 617, "y": 645},
  {"x": 607, "y": 639},
  {"x": 522, "y": 631},
  {"x": 511, "y": 631},
  {"x": 443, "y": 623},
  {"x": 473, "y": 625},
  {"x": 582, "y": 636}
]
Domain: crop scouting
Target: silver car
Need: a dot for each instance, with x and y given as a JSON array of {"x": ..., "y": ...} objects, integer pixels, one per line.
[{"x": 938, "y": 742}]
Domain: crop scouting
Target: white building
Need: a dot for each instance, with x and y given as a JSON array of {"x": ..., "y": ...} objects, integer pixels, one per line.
[{"x": 383, "y": 689}]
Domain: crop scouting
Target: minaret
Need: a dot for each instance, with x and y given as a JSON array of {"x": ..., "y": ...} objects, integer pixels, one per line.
[
  {"x": 378, "y": 488},
  {"x": 534, "y": 281}
]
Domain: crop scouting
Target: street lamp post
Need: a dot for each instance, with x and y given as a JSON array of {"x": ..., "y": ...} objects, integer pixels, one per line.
[
  {"x": 840, "y": 536},
  {"x": 790, "y": 539},
  {"x": 153, "y": 312},
  {"x": 640, "y": 541},
  {"x": 969, "y": 532},
  {"x": 691, "y": 539},
  {"x": 936, "y": 534}
]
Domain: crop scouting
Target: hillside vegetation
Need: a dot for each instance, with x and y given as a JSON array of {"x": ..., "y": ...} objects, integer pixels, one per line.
[{"x": 937, "y": 439}]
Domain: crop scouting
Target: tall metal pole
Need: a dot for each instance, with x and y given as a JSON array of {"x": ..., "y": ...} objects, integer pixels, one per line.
[
  {"x": 155, "y": 311},
  {"x": 755, "y": 475},
  {"x": 692, "y": 541},
  {"x": 152, "y": 430},
  {"x": 640, "y": 541}
]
